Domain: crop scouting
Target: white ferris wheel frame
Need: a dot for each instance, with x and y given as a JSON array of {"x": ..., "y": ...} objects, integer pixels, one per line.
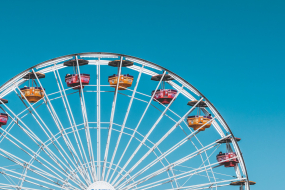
[{"x": 98, "y": 168}]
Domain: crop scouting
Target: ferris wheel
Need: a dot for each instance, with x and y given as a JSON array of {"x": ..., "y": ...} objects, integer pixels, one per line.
[{"x": 107, "y": 121}]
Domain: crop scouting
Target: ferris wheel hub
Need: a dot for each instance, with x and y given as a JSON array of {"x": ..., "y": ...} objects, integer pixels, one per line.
[{"x": 101, "y": 185}]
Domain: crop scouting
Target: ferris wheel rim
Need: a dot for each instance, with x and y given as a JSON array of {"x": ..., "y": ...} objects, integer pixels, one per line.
[{"x": 156, "y": 65}]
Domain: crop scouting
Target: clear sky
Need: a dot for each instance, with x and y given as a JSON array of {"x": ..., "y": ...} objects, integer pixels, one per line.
[{"x": 232, "y": 51}]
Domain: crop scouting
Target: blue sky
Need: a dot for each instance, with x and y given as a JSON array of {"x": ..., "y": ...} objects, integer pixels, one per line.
[{"x": 233, "y": 52}]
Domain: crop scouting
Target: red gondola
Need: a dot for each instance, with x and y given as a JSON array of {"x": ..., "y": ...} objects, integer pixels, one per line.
[
  {"x": 3, "y": 119},
  {"x": 227, "y": 159},
  {"x": 74, "y": 82},
  {"x": 164, "y": 96},
  {"x": 3, "y": 116}
]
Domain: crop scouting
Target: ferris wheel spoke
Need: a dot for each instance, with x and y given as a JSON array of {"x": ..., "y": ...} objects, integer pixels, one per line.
[
  {"x": 27, "y": 167},
  {"x": 197, "y": 174},
  {"x": 194, "y": 143},
  {"x": 26, "y": 130},
  {"x": 85, "y": 174},
  {"x": 222, "y": 174},
  {"x": 112, "y": 119},
  {"x": 28, "y": 181},
  {"x": 154, "y": 106},
  {"x": 162, "y": 165},
  {"x": 34, "y": 156},
  {"x": 18, "y": 175},
  {"x": 136, "y": 128},
  {"x": 150, "y": 131},
  {"x": 189, "y": 139},
  {"x": 12, "y": 123},
  {"x": 163, "y": 105},
  {"x": 59, "y": 126},
  {"x": 211, "y": 186},
  {"x": 202, "y": 159},
  {"x": 86, "y": 124},
  {"x": 69, "y": 119},
  {"x": 42, "y": 148},
  {"x": 204, "y": 166},
  {"x": 36, "y": 139},
  {"x": 146, "y": 146},
  {"x": 98, "y": 120},
  {"x": 158, "y": 120},
  {"x": 52, "y": 136},
  {"x": 125, "y": 119},
  {"x": 87, "y": 134},
  {"x": 74, "y": 131},
  {"x": 218, "y": 129},
  {"x": 203, "y": 162},
  {"x": 10, "y": 180},
  {"x": 172, "y": 165},
  {"x": 234, "y": 143},
  {"x": 38, "y": 171},
  {"x": 197, "y": 170},
  {"x": 9, "y": 128},
  {"x": 198, "y": 152},
  {"x": 110, "y": 167},
  {"x": 78, "y": 168},
  {"x": 171, "y": 169},
  {"x": 173, "y": 174},
  {"x": 208, "y": 185},
  {"x": 6, "y": 186}
]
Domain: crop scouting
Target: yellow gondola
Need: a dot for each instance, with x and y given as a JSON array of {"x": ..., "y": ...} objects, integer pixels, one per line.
[
  {"x": 197, "y": 121},
  {"x": 125, "y": 81},
  {"x": 33, "y": 94}
]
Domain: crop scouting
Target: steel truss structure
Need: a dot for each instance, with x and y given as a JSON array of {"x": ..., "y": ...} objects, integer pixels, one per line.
[{"x": 73, "y": 138}]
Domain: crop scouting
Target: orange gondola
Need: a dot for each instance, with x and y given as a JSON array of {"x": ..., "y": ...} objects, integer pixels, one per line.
[
  {"x": 199, "y": 122},
  {"x": 196, "y": 122},
  {"x": 31, "y": 93},
  {"x": 125, "y": 81}
]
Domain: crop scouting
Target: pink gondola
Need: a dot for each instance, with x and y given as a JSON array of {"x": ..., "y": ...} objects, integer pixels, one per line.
[
  {"x": 3, "y": 119},
  {"x": 73, "y": 80},
  {"x": 164, "y": 96},
  {"x": 227, "y": 159}
]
